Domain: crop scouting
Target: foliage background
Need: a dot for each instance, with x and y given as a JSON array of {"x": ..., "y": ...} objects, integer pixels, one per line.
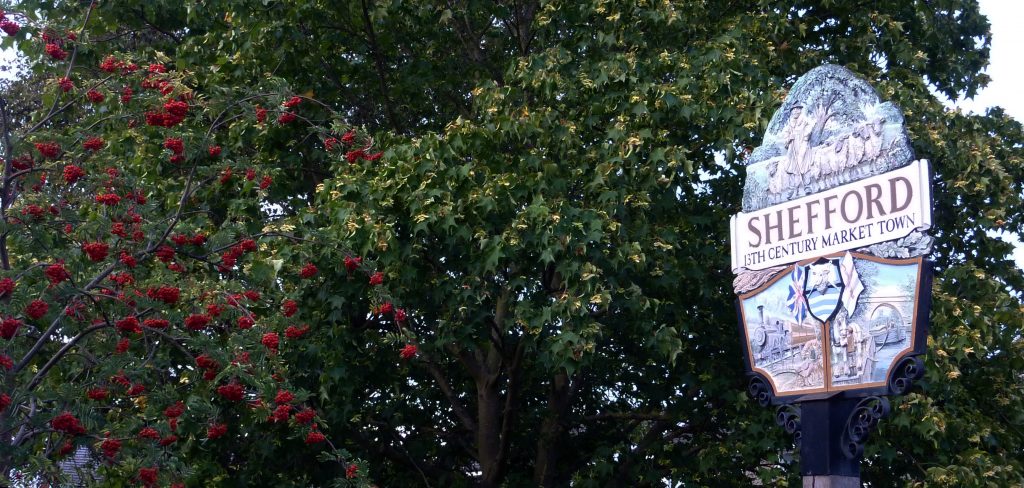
[{"x": 551, "y": 209}]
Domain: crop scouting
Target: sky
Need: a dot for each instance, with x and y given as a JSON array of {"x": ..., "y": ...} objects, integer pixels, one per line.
[
  {"x": 1005, "y": 68},
  {"x": 1006, "y": 71}
]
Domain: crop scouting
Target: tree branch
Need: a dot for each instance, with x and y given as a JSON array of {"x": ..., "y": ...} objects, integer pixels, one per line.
[{"x": 460, "y": 410}]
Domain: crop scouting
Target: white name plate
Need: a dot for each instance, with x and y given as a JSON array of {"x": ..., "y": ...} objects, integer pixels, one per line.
[{"x": 881, "y": 208}]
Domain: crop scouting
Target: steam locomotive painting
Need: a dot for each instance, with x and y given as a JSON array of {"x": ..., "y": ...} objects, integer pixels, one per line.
[{"x": 773, "y": 339}]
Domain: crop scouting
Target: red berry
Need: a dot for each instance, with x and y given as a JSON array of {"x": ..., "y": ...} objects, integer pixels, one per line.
[
  {"x": 175, "y": 144},
  {"x": 231, "y": 391},
  {"x": 196, "y": 322},
  {"x": 305, "y": 416},
  {"x": 130, "y": 325},
  {"x": 286, "y": 118},
  {"x": 55, "y": 52},
  {"x": 284, "y": 396},
  {"x": 110, "y": 447},
  {"x": 409, "y": 351},
  {"x": 65, "y": 84},
  {"x": 245, "y": 322},
  {"x": 10, "y": 28},
  {"x": 149, "y": 433},
  {"x": 148, "y": 476},
  {"x": 216, "y": 431},
  {"x": 293, "y": 332},
  {"x": 9, "y": 327},
  {"x": 308, "y": 271},
  {"x": 49, "y": 150},
  {"x": 6, "y": 287},
  {"x": 73, "y": 173},
  {"x": 315, "y": 437},
  {"x": 271, "y": 341},
  {"x": 56, "y": 273},
  {"x": 288, "y": 308},
  {"x": 67, "y": 423},
  {"x": 174, "y": 411},
  {"x": 96, "y": 251},
  {"x": 168, "y": 440},
  {"x": 109, "y": 64},
  {"x": 36, "y": 309}
]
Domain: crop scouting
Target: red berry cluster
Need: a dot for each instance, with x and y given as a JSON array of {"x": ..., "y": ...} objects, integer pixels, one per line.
[
  {"x": 166, "y": 294},
  {"x": 288, "y": 308},
  {"x": 197, "y": 322},
  {"x": 110, "y": 447},
  {"x": 9, "y": 327},
  {"x": 55, "y": 51},
  {"x": 95, "y": 96},
  {"x": 9, "y": 26},
  {"x": 216, "y": 431},
  {"x": 308, "y": 271},
  {"x": 155, "y": 323},
  {"x": 49, "y": 150},
  {"x": 231, "y": 391},
  {"x": 271, "y": 341},
  {"x": 68, "y": 424},
  {"x": 230, "y": 257},
  {"x": 293, "y": 332},
  {"x": 57, "y": 273},
  {"x": 96, "y": 251},
  {"x": 72, "y": 174}
]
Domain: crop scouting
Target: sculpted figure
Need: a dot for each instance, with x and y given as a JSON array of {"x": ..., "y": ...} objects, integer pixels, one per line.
[
  {"x": 866, "y": 352},
  {"x": 775, "y": 177},
  {"x": 821, "y": 278},
  {"x": 873, "y": 139},
  {"x": 830, "y": 160},
  {"x": 809, "y": 368},
  {"x": 796, "y": 139},
  {"x": 854, "y": 151}
]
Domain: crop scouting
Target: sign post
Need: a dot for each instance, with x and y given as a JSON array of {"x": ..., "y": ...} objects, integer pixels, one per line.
[{"x": 832, "y": 277}]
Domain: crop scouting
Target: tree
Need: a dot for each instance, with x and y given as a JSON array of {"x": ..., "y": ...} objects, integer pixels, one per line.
[
  {"x": 550, "y": 216},
  {"x": 140, "y": 323}
]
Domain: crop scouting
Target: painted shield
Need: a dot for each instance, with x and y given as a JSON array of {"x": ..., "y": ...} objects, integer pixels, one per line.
[{"x": 823, "y": 288}]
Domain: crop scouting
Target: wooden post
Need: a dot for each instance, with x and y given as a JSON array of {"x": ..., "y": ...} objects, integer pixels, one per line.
[
  {"x": 822, "y": 461},
  {"x": 831, "y": 482}
]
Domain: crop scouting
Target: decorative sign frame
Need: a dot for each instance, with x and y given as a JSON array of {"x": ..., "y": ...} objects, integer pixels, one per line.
[{"x": 830, "y": 250}]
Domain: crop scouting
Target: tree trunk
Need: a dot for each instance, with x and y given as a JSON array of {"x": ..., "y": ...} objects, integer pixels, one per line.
[
  {"x": 488, "y": 432},
  {"x": 549, "y": 443}
]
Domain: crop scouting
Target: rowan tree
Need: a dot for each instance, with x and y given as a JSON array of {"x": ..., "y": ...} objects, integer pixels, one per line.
[{"x": 141, "y": 319}]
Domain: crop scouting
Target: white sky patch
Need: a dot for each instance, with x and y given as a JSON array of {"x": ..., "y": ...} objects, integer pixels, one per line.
[
  {"x": 1006, "y": 72},
  {"x": 1005, "y": 67}
]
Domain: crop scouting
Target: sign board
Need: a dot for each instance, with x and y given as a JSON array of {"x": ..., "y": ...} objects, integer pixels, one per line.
[
  {"x": 830, "y": 249},
  {"x": 880, "y": 208}
]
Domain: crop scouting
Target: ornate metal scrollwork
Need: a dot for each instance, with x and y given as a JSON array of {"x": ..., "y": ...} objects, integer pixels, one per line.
[
  {"x": 905, "y": 373},
  {"x": 862, "y": 421},
  {"x": 788, "y": 417},
  {"x": 759, "y": 390}
]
